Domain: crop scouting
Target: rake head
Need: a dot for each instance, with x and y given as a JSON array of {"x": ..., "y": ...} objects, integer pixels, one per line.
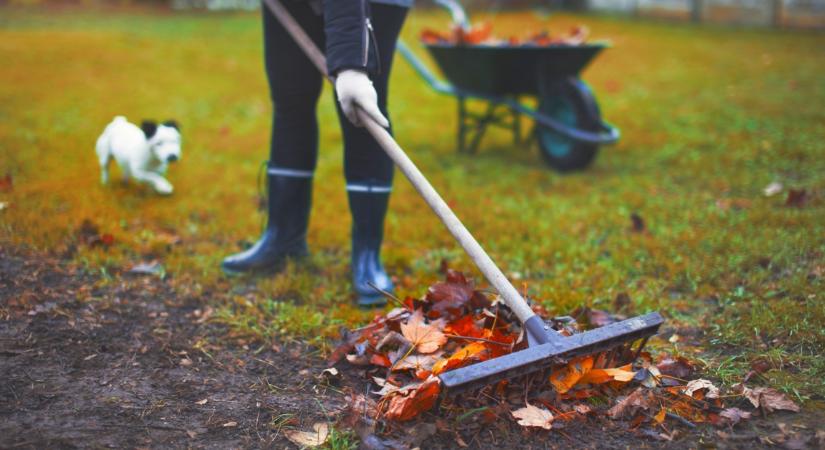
[{"x": 548, "y": 348}]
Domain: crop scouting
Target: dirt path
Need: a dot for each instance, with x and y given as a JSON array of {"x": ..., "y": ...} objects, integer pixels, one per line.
[
  {"x": 122, "y": 368},
  {"x": 128, "y": 363}
]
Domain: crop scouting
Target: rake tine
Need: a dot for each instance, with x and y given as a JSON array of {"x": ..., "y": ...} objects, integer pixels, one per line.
[{"x": 639, "y": 350}]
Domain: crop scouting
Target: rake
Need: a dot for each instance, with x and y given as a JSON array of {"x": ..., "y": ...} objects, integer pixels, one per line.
[{"x": 546, "y": 347}]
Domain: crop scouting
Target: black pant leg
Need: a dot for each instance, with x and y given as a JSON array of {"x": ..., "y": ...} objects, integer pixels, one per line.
[
  {"x": 364, "y": 160},
  {"x": 295, "y": 86}
]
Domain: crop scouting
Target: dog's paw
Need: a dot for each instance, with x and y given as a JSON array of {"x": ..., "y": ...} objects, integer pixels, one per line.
[{"x": 164, "y": 188}]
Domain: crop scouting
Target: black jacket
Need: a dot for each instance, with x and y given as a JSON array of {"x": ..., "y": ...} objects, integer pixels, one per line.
[{"x": 350, "y": 39}]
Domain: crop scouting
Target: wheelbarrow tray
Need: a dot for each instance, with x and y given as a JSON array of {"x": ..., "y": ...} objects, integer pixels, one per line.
[{"x": 510, "y": 70}]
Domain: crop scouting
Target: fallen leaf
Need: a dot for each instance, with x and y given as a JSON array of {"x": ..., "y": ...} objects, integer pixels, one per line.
[
  {"x": 768, "y": 399},
  {"x": 733, "y": 203},
  {"x": 600, "y": 376},
  {"x": 640, "y": 399},
  {"x": 465, "y": 326},
  {"x": 796, "y": 198},
  {"x": 582, "y": 409},
  {"x": 734, "y": 415},
  {"x": 660, "y": 416},
  {"x": 417, "y": 362},
  {"x": 622, "y": 302},
  {"x": 410, "y": 401},
  {"x": 697, "y": 386},
  {"x": 6, "y": 183},
  {"x": 330, "y": 372},
  {"x": 772, "y": 189},
  {"x": 638, "y": 224},
  {"x": 471, "y": 353},
  {"x": 595, "y": 318},
  {"x": 361, "y": 360},
  {"x": 392, "y": 339},
  {"x": 532, "y": 416},
  {"x": 678, "y": 367},
  {"x": 451, "y": 295},
  {"x": 761, "y": 365},
  {"x": 89, "y": 234},
  {"x": 565, "y": 378},
  {"x": 314, "y": 438},
  {"x": 379, "y": 359},
  {"x": 424, "y": 338}
]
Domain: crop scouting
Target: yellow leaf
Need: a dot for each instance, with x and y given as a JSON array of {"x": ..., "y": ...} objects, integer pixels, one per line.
[
  {"x": 565, "y": 378},
  {"x": 309, "y": 438},
  {"x": 475, "y": 351},
  {"x": 600, "y": 376},
  {"x": 425, "y": 338},
  {"x": 532, "y": 416},
  {"x": 660, "y": 416}
]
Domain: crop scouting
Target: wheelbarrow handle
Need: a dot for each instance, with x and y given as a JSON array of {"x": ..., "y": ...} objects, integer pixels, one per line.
[
  {"x": 474, "y": 250},
  {"x": 423, "y": 71}
]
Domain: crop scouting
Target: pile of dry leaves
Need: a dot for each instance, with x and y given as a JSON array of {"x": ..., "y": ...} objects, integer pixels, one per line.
[
  {"x": 402, "y": 353},
  {"x": 482, "y": 34}
]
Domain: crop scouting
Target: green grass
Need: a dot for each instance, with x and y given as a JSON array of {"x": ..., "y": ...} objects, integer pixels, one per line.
[{"x": 709, "y": 117}]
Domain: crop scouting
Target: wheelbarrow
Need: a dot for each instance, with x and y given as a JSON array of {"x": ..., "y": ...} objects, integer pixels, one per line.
[{"x": 567, "y": 122}]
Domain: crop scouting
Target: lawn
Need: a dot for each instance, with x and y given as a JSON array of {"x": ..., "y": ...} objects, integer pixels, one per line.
[{"x": 709, "y": 116}]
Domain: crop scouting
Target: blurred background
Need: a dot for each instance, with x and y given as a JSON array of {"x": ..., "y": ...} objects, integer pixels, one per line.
[{"x": 777, "y": 13}]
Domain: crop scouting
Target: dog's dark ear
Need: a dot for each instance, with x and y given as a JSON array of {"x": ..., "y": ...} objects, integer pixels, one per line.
[
  {"x": 172, "y": 123},
  {"x": 149, "y": 127}
]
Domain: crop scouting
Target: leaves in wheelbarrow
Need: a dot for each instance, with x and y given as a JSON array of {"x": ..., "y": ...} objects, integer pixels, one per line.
[{"x": 483, "y": 34}]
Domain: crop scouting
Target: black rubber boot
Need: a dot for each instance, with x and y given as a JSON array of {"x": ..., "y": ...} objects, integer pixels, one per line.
[
  {"x": 288, "y": 203},
  {"x": 368, "y": 210}
]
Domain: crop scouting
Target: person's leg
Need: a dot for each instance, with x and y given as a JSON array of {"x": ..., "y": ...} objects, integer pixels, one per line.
[
  {"x": 369, "y": 171},
  {"x": 295, "y": 86}
]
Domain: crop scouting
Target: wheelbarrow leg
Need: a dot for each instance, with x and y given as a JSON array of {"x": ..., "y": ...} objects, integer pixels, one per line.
[
  {"x": 516, "y": 124},
  {"x": 462, "y": 124},
  {"x": 481, "y": 123}
]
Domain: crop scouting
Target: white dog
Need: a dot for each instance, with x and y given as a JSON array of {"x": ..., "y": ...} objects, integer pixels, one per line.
[{"x": 142, "y": 153}]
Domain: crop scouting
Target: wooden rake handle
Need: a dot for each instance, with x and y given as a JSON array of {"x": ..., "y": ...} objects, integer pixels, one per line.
[{"x": 491, "y": 272}]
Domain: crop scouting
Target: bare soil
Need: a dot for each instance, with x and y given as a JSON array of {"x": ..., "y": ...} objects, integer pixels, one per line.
[{"x": 130, "y": 363}]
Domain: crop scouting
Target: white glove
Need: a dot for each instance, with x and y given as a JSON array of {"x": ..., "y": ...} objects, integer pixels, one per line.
[{"x": 354, "y": 89}]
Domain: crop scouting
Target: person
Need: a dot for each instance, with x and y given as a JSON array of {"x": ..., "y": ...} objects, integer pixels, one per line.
[{"x": 359, "y": 37}]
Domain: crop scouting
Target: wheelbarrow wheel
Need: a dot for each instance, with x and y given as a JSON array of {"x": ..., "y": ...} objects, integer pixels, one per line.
[{"x": 571, "y": 103}]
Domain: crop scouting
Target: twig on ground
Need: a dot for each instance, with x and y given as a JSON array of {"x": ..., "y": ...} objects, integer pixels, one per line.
[
  {"x": 386, "y": 294},
  {"x": 681, "y": 419},
  {"x": 469, "y": 338}
]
